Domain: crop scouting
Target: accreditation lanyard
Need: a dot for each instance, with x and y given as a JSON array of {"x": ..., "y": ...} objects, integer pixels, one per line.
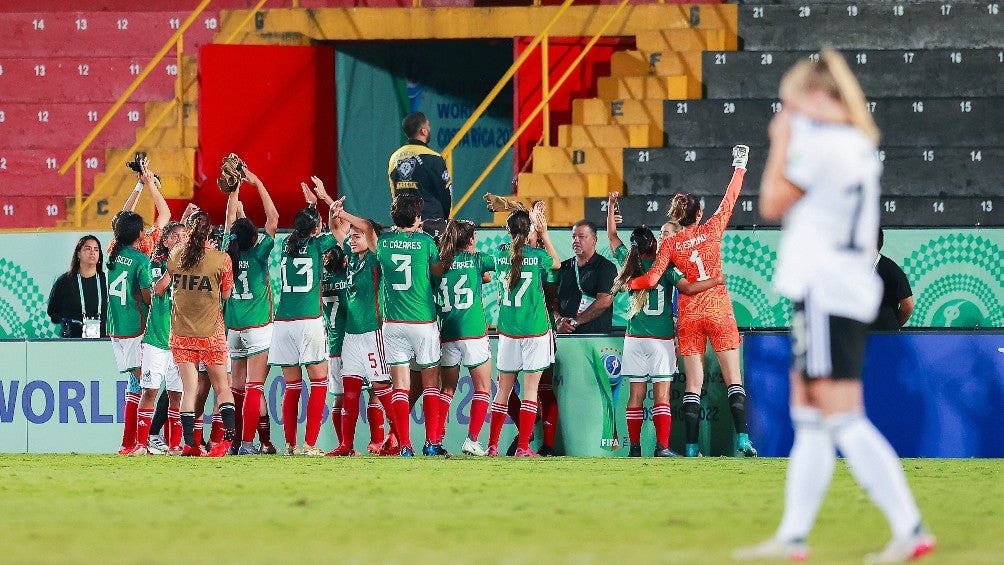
[
  {"x": 91, "y": 326},
  {"x": 585, "y": 301}
]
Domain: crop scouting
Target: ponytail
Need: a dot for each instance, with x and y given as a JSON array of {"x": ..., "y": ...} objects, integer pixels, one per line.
[
  {"x": 850, "y": 93},
  {"x": 242, "y": 236},
  {"x": 518, "y": 226},
  {"x": 643, "y": 244},
  {"x": 127, "y": 228},
  {"x": 199, "y": 229},
  {"x": 304, "y": 225},
  {"x": 683, "y": 209},
  {"x": 453, "y": 240}
]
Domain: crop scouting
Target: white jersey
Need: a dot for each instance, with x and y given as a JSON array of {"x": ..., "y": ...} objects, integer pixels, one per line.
[{"x": 830, "y": 235}]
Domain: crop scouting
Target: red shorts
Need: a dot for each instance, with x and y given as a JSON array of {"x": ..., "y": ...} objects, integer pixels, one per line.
[{"x": 694, "y": 332}]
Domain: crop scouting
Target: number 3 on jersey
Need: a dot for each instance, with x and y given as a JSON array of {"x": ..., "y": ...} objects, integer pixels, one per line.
[
  {"x": 403, "y": 263},
  {"x": 304, "y": 266},
  {"x": 695, "y": 258},
  {"x": 525, "y": 279}
]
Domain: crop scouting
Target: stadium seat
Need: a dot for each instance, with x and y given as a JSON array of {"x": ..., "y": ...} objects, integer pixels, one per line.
[
  {"x": 82, "y": 79},
  {"x": 892, "y": 73},
  {"x": 24, "y": 172},
  {"x": 911, "y": 122},
  {"x": 642, "y": 88},
  {"x": 608, "y": 136},
  {"x": 661, "y": 64},
  {"x": 582, "y": 160},
  {"x": 878, "y": 25},
  {"x": 31, "y": 125}
]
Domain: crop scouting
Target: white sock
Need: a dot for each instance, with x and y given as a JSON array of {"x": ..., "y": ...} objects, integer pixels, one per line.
[
  {"x": 810, "y": 467},
  {"x": 876, "y": 467}
]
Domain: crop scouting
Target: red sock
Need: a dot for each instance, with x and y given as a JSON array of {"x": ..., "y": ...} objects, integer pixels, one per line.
[
  {"x": 401, "y": 416},
  {"x": 144, "y": 417},
  {"x": 174, "y": 433},
  {"x": 336, "y": 419},
  {"x": 527, "y": 417},
  {"x": 430, "y": 408},
  {"x": 238, "y": 412},
  {"x": 198, "y": 431},
  {"x": 549, "y": 411},
  {"x": 315, "y": 409},
  {"x": 663, "y": 420},
  {"x": 250, "y": 411},
  {"x": 635, "y": 418},
  {"x": 291, "y": 409},
  {"x": 265, "y": 429},
  {"x": 445, "y": 398},
  {"x": 350, "y": 408},
  {"x": 479, "y": 409},
  {"x": 499, "y": 414},
  {"x": 129, "y": 426},
  {"x": 374, "y": 414},
  {"x": 216, "y": 432}
]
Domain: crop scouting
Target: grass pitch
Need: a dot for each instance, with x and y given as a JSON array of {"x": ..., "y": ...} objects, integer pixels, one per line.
[{"x": 108, "y": 509}]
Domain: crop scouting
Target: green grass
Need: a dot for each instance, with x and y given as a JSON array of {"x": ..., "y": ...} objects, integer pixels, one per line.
[{"x": 84, "y": 508}]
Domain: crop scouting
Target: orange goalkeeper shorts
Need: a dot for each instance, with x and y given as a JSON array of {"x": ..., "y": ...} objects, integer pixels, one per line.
[{"x": 694, "y": 332}]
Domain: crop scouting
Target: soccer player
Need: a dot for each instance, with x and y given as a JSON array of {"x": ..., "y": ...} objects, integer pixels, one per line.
[
  {"x": 159, "y": 366},
  {"x": 362, "y": 350},
  {"x": 248, "y": 314},
  {"x": 525, "y": 342},
  {"x": 299, "y": 338},
  {"x": 649, "y": 350},
  {"x": 822, "y": 179},
  {"x": 696, "y": 251},
  {"x": 463, "y": 326},
  {"x": 129, "y": 281},
  {"x": 202, "y": 280}
]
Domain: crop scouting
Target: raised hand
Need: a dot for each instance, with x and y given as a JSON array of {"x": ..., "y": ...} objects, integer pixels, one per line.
[{"x": 308, "y": 195}]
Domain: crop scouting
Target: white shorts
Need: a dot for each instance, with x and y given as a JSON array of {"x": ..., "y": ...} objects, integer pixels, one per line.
[
  {"x": 467, "y": 352},
  {"x": 335, "y": 375},
  {"x": 298, "y": 342},
  {"x": 648, "y": 359},
  {"x": 128, "y": 352},
  {"x": 362, "y": 357},
  {"x": 201, "y": 367},
  {"x": 528, "y": 354},
  {"x": 159, "y": 367},
  {"x": 404, "y": 342},
  {"x": 249, "y": 342}
]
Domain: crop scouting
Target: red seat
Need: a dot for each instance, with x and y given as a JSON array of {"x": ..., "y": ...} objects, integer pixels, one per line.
[
  {"x": 31, "y": 211},
  {"x": 27, "y": 172},
  {"x": 83, "y": 79},
  {"x": 41, "y": 125}
]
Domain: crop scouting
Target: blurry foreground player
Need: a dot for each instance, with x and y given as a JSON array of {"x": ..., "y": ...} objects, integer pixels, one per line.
[
  {"x": 708, "y": 315},
  {"x": 202, "y": 279},
  {"x": 248, "y": 315},
  {"x": 822, "y": 179}
]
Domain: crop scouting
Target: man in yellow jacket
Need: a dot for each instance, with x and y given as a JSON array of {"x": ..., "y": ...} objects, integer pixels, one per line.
[{"x": 416, "y": 169}]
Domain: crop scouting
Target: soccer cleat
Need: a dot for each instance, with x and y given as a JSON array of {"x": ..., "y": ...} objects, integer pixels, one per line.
[
  {"x": 440, "y": 450},
  {"x": 745, "y": 446},
  {"x": 773, "y": 549},
  {"x": 174, "y": 451},
  {"x": 493, "y": 451},
  {"x": 190, "y": 451},
  {"x": 290, "y": 450},
  {"x": 374, "y": 447},
  {"x": 139, "y": 450},
  {"x": 407, "y": 451},
  {"x": 472, "y": 447},
  {"x": 899, "y": 550},
  {"x": 312, "y": 451},
  {"x": 126, "y": 450},
  {"x": 546, "y": 451},
  {"x": 428, "y": 449},
  {"x": 526, "y": 453},
  {"x": 247, "y": 449},
  {"x": 390, "y": 445},
  {"x": 341, "y": 451},
  {"x": 233, "y": 449},
  {"x": 156, "y": 445},
  {"x": 267, "y": 449},
  {"x": 220, "y": 449},
  {"x": 661, "y": 451},
  {"x": 694, "y": 450},
  {"x": 740, "y": 156},
  {"x": 634, "y": 450}
]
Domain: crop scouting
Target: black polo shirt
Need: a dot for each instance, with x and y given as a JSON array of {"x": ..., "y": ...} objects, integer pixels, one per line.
[
  {"x": 595, "y": 277},
  {"x": 895, "y": 287}
]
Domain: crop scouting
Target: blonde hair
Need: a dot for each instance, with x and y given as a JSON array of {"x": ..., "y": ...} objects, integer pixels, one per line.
[{"x": 831, "y": 75}]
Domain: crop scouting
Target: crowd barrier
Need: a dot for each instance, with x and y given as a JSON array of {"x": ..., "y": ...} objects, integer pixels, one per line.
[{"x": 932, "y": 394}]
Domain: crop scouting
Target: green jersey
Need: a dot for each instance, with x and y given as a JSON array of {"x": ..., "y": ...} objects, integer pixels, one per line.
[
  {"x": 458, "y": 297},
  {"x": 300, "y": 296},
  {"x": 250, "y": 304},
  {"x": 158, "y": 324},
  {"x": 333, "y": 301},
  {"x": 362, "y": 303},
  {"x": 128, "y": 277},
  {"x": 656, "y": 318},
  {"x": 522, "y": 312},
  {"x": 406, "y": 259}
]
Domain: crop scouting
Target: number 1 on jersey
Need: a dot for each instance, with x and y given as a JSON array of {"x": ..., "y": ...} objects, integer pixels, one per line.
[{"x": 695, "y": 258}]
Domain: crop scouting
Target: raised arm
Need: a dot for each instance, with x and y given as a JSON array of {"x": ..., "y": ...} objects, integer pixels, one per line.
[
  {"x": 777, "y": 193},
  {"x": 721, "y": 217},
  {"x": 361, "y": 224},
  {"x": 271, "y": 213},
  {"x": 151, "y": 182},
  {"x": 540, "y": 224},
  {"x": 651, "y": 278},
  {"x": 233, "y": 209},
  {"x": 323, "y": 195},
  {"x": 613, "y": 218},
  {"x": 687, "y": 287}
]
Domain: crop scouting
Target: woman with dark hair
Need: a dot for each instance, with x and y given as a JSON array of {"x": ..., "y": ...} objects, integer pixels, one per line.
[
  {"x": 649, "y": 349},
  {"x": 525, "y": 343},
  {"x": 248, "y": 314},
  {"x": 201, "y": 279},
  {"x": 79, "y": 300},
  {"x": 129, "y": 282},
  {"x": 299, "y": 338},
  {"x": 706, "y": 316}
]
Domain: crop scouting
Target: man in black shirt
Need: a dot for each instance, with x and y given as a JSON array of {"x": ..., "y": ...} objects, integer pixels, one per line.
[
  {"x": 418, "y": 170},
  {"x": 897, "y": 296},
  {"x": 584, "y": 283}
]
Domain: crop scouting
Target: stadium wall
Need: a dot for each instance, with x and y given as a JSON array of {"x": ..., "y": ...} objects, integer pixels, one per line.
[{"x": 957, "y": 276}]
